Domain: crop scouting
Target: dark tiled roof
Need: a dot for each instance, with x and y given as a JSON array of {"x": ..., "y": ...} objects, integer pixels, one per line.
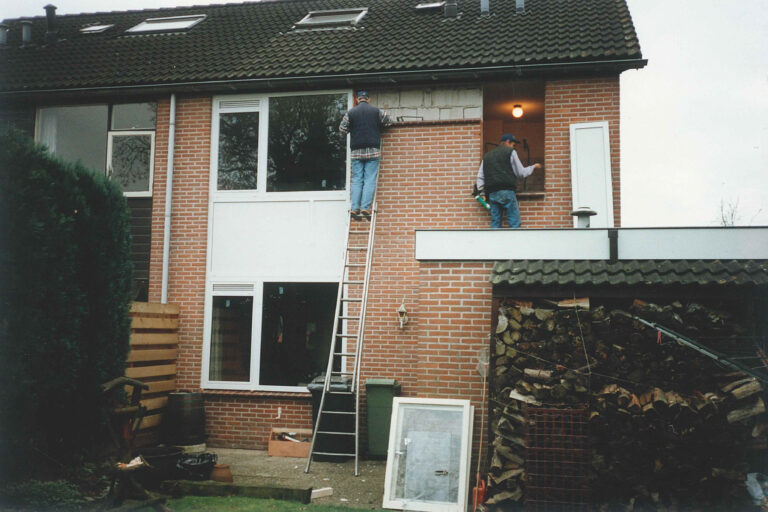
[
  {"x": 631, "y": 273},
  {"x": 256, "y": 40}
]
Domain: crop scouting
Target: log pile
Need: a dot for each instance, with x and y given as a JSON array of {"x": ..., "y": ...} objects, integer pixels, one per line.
[{"x": 668, "y": 426}]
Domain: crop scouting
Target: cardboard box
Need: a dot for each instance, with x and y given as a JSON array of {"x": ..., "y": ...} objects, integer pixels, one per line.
[{"x": 283, "y": 448}]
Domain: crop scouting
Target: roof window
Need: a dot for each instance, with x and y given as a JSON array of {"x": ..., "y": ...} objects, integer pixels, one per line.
[
  {"x": 171, "y": 24},
  {"x": 95, "y": 28},
  {"x": 333, "y": 18},
  {"x": 430, "y": 5}
]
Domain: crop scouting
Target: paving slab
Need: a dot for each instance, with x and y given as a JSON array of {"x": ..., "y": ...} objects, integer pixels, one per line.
[{"x": 257, "y": 468}]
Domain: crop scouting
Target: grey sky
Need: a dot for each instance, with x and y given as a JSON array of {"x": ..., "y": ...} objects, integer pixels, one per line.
[{"x": 694, "y": 121}]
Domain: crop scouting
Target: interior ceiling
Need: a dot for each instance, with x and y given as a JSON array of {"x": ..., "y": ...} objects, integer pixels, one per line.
[{"x": 500, "y": 97}]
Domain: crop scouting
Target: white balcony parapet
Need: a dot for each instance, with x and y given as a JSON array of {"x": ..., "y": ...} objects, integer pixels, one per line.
[{"x": 732, "y": 243}]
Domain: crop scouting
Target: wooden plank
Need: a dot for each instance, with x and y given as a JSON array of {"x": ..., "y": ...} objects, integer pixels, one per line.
[
  {"x": 153, "y": 404},
  {"x": 145, "y": 322},
  {"x": 155, "y": 308},
  {"x": 158, "y": 386},
  {"x": 154, "y": 338},
  {"x": 166, "y": 354},
  {"x": 151, "y": 421},
  {"x": 151, "y": 371}
]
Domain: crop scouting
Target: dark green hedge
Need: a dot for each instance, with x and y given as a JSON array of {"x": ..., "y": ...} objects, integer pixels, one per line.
[{"x": 65, "y": 277}]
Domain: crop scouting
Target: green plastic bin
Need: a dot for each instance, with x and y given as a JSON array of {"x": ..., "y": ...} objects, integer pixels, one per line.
[{"x": 380, "y": 393}]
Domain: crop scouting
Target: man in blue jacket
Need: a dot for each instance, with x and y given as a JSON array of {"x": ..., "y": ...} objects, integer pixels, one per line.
[
  {"x": 364, "y": 123},
  {"x": 498, "y": 175}
]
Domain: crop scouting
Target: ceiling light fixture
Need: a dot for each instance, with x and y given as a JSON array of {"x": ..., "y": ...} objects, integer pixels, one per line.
[{"x": 517, "y": 111}]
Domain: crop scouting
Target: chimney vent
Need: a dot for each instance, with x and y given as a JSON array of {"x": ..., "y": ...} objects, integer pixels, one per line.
[
  {"x": 3, "y": 34},
  {"x": 451, "y": 8},
  {"x": 26, "y": 32},
  {"x": 520, "y": 6},
  {"x": 485, "y": 7},
  {"x": 50, "y": 32},
  {"x": 582, "y": 214}
]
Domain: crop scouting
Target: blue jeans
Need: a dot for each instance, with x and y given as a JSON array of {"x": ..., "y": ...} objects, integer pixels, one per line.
[
  {"x": 363, "y": 187},
  {"x": 501, "y": 201}
]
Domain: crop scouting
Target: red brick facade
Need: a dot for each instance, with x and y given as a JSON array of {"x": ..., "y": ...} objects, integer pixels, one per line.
[{"x": 426, "y": 177}]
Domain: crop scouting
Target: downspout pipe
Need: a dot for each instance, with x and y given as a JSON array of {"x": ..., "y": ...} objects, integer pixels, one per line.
[{"x": 168, "y": 200}]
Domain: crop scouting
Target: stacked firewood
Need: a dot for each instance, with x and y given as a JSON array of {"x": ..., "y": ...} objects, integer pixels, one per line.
[{"x": 668, "y": 426}]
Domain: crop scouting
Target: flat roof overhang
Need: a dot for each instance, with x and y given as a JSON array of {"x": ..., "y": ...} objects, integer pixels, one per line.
[{"x": 612, "y": 244}]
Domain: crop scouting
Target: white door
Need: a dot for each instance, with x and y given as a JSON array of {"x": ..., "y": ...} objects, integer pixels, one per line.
[{"x": 591, "y": 172}]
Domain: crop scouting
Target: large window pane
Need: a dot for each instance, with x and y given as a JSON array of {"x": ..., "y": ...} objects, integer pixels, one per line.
[
  {"x": 306, "y": 151},
  {"x": 296, "y": 332},
  {"x": 76, "y": 133},
  {"x": 134, "y": 116},
  {"x": 231, "y": 339},
  {"x": 238, "y": 150},
  {"x": 130, "y": 161}
]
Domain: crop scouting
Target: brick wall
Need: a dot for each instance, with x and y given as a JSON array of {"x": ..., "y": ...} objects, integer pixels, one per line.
[
  {"x": 189, "y": 226},
  {"x": 567, "y": 102},
  {"x": 425, "y": 181}
]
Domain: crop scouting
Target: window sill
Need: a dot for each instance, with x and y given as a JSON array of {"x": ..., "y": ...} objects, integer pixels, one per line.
[{"x": 295, "y": 395}]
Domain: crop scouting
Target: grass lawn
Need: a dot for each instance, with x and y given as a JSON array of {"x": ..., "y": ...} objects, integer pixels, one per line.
[{"x": 242, "y": 504}]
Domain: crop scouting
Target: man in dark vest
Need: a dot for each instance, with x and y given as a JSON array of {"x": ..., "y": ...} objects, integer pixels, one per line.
[
  {"x": 498, "y": 175},
  {"x": 364, "y": 123}
]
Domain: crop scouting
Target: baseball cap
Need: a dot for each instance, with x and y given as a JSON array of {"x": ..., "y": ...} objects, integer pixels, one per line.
[{"x": 507, "y": 137}]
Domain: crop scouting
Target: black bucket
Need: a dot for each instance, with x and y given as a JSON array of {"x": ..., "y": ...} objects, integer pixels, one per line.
[{"x": 184, "y": 419}]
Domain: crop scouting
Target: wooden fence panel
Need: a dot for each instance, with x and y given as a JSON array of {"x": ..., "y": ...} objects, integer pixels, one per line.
[{"x": 152, "y": 360}]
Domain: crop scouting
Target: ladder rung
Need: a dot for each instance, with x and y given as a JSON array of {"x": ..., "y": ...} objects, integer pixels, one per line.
[
  {"x": 355, "y": 265},
  {"x": 334, "y": 453},
  {"x": 346, "y": 335},
  {"x": 336, "y": 433},
  {"x": 353, "y": 282},
  {"x": 338, "y": 412},
  {"x": 349, "y": 318},
  {"x": 342, "y": 373},
  {"x": 344, "y": 353},
  {"x": 352, "y": 300},
  {"x": 356, "y": 248},
  {"x": 339, "y": 393}
]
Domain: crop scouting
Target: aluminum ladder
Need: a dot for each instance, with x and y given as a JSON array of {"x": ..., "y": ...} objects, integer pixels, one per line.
[{"x": 343, "y": 370}]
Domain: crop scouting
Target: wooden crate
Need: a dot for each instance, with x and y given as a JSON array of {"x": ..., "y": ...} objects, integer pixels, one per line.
[{"x": 278, "y": 448}]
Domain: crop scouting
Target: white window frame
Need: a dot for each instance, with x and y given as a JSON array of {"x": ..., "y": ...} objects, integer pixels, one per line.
[
  {"x": 248, "y": 102},
  {"x": 468, "y": 412},
  {"x": 308, "y": 21},
  {"x": 183, "y": 22},
  {"x": 608, "y": 178},
  {"x": 244, "y": 288},
  {"x": 151, "y": 133},
  {"x": 109, "y": 131}
]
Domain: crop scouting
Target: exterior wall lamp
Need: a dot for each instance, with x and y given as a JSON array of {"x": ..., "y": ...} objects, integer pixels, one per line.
[
  {"x": 402, "y": 314},
  {"x": 517, "y": 111}
]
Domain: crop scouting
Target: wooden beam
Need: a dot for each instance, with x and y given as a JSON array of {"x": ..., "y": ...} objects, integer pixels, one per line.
[
  {"x": 155, "y": 308},
  {"x": 158, "y": 386},
  {"x": 144, "y": 322},
  {"x": 154, "y": 338},
  {"x": 167, "y": 354},
  {"x": 150, "y": 371},
  {"x": 153, "y": 404}
]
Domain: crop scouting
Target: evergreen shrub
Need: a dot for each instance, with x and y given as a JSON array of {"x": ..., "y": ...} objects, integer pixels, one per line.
[{"x": 65, "y": 279}]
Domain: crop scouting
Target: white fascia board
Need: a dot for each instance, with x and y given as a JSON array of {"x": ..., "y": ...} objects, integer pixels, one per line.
[
  {"x": 739, "y": 243},
  {"x": 513, "y": 244},
  {"x": 732, "y": 243}
]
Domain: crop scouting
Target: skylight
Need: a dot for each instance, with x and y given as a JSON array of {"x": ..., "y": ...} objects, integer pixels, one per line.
[
  {"x": 430, "y": 5},
  {"x": 333, "y": 18},
  {"x": 94, "y": 29},
  {"x": 171, "y": 24}
]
